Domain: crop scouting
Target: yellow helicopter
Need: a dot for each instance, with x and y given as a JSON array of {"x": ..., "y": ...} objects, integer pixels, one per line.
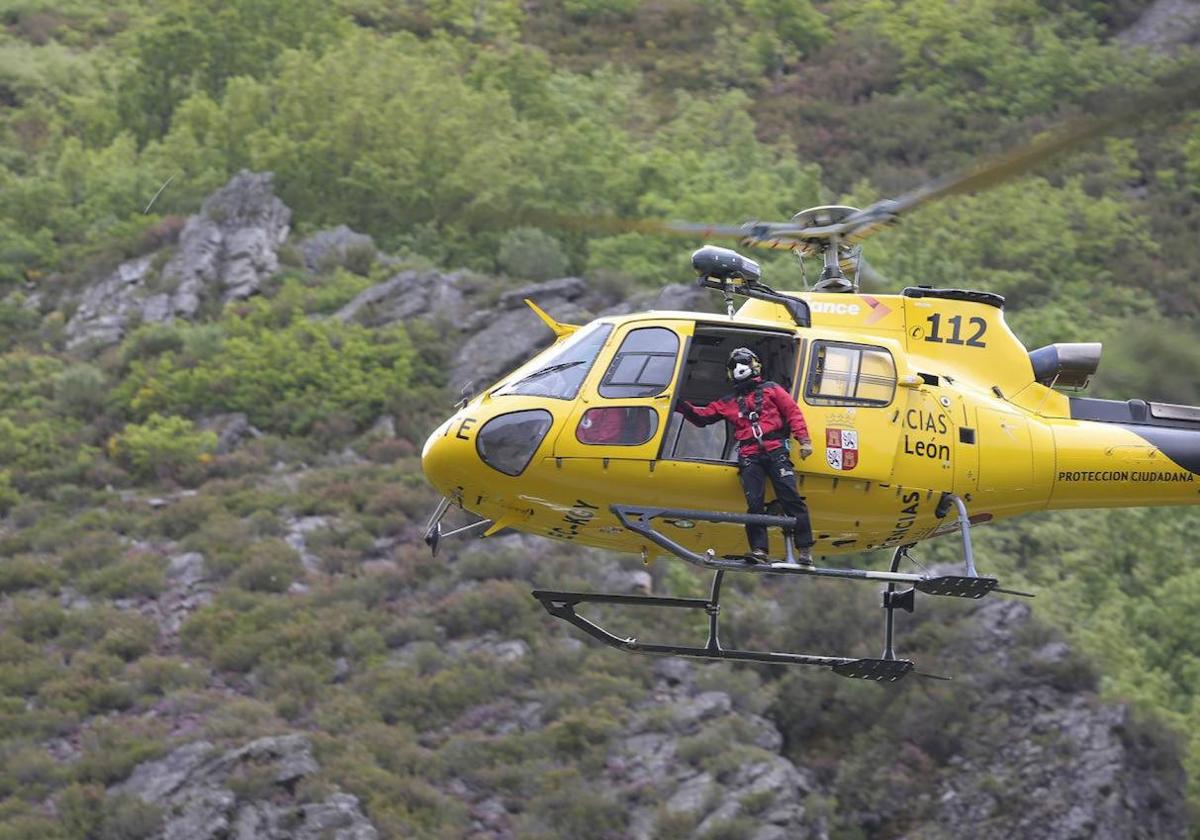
[{"x": 927, "y": 414}]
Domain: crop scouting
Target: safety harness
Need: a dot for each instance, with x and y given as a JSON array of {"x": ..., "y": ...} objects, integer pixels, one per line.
[{"x": 748, "y": 409}]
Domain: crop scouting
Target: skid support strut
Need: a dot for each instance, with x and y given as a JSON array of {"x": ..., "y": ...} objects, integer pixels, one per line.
[
  {"x": 640, "y": 521},
  {"x": 433, "y": 528}
]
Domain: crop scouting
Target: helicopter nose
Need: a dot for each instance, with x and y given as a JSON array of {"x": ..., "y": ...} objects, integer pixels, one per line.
[
  {"x": 439, "y": 457},
  {"x": 478, "y": 449}
]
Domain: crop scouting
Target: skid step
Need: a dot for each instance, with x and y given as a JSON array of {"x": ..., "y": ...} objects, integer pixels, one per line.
[
  {"x": 957, "y": 586},
  {"x": 879, "y": 670}
]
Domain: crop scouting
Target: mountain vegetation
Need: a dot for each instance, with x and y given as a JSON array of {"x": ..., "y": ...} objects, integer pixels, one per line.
[{"x": 482, "y": 136}]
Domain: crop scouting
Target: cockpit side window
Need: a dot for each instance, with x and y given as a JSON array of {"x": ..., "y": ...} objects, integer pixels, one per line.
[
  {"x": 850, "y": 374},
  {"x": 562, "y": 372},
  {"x": 643, "y": 366}
]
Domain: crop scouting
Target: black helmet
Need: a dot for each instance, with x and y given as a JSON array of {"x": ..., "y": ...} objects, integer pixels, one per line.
[{"x": 746, "y": 359}]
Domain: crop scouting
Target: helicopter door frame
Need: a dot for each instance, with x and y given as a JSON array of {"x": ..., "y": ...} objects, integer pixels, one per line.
[
  {"x": 718, "y": 335},
  {"x": 854, "y": 433},
  {"x": 611, "y": 419}
]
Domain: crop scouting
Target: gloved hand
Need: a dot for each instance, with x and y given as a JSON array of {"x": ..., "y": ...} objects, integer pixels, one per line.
[{"x": 806, "y": 449}]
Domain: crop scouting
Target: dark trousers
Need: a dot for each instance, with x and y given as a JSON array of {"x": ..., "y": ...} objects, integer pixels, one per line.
[{"x": 777, "y": 466}]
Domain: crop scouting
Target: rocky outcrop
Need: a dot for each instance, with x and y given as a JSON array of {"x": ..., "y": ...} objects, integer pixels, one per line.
[
  {"x": 244, "y": 794},
  {"x": 497, "y": 337},
  {"x": 648, "y": 765},
  {"x": 339, "y": 246},
  {"x": 1166, "y": 26},
  {"x": 511, "y": 333},
  {"x": 231, "y": 429},
  {"x": 1048, "y": 760},
  {"x": 412, "y": 294},
  {"x": 225, "y": 252}
]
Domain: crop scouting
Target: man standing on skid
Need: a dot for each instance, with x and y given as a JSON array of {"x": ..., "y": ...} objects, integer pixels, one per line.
[{"x": 763, "y": 416}]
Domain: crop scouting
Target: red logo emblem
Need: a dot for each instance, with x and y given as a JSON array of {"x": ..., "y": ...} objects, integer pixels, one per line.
[{"x": 841, "y": 448}]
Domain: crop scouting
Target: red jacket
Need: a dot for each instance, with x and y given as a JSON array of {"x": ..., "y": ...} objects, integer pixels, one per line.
[{"x": 777, "y": 412}]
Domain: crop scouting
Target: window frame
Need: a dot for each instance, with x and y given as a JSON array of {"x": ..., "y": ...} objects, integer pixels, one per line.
[
  {"x": 815, "y": 354},
  {"x": 652, "y": 414},
  {"x": 511, "y": 387},
  {"x": 619, "y": 357}
]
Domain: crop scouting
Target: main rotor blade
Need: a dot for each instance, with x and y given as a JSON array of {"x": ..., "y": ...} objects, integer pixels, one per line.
[
  {"x": 616, "y": 225},
  {"x": 784, "y": 235},
  {"x": 1176, "y": 89}
]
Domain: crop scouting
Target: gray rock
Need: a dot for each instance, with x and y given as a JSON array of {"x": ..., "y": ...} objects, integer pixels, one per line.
[
  {"x": 383, "y": 427},
  {"x": 629, "y": 581},
  {"x": 109, "y": 305},
  {"x": 295, "y": 537},
  {"x": 339, "y": 817},
  {"x": 674, "y": 670},
  {"x": 1166, "y": 26},
  {"x": 563, "y": 289},
  {"x": 410, "y": 294},
  {"x": 683, "y": 297},
  {"x": 1063, "y": 765},
  {"x": 509, "y": 339},
  {"x": 688, "y": 712},
  {"x": 227, "y": 251},
  {"x": 507, "y": 650},
  {"x": 186, "y": 569},
  {"x": 155, "y": 781},
  {"x": 194, "y": 787},
  {"x": 692, "y": 796},
  {"x": 329, "y": 248},
  {"x": 231, "y": 429}
]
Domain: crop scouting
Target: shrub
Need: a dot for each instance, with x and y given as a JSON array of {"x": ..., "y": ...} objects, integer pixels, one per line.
[
  {"x": 28, "y": 772},
  {"x": 531, "y": 254},
  {"x": 91, "y": 550},
  {"x": 223, "y": 540},
  {"x": 9, "y": 495},
  {"x": 186, "y": 515},
  {"x": 569, "y": 808},
  {"x": 80, "y": 391},
  {"x": 132, "y": 638},
  {"x": 19, "y": 821},
  {"x": 498, "y": 606},
  {"x": 733, "y": 829},
  {"x": 143, "y": 575},
  {"x": 164, "y": 674},
  {"x": 162, "y": 447},
  {"x": 286, "y": 377},
  {"x": 675, "y": 825},
  {"x": 27, "y": 572},
  {"x": 272, "y": 565},
  {"x": 112, "y": 750},
  {"x": 38, "y": 619}
]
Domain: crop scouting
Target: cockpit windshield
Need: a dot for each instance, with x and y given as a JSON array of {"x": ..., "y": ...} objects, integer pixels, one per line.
[{"x": 561, "y": 373}]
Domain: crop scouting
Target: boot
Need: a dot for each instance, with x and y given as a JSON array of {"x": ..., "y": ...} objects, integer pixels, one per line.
[{"x": 804, "y": 557}]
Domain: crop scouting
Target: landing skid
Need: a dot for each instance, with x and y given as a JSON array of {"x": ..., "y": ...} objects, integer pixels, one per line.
[
  {"x": 888, "y": 668},
  {"x": 562, "y": 605}
]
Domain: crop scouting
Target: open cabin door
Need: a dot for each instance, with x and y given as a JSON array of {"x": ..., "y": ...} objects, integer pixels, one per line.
[
  {"x": 698, "y": 465},
  {"x": 849, "y": 400}
]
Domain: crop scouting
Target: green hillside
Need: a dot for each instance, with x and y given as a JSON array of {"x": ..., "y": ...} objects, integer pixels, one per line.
[{"x": 479, "y": 136}]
